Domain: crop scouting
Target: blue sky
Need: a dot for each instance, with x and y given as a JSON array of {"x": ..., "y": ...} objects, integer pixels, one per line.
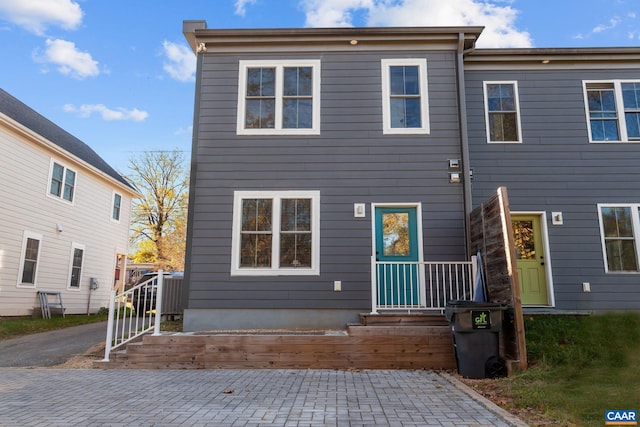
[{"x": 118, "y": 74}]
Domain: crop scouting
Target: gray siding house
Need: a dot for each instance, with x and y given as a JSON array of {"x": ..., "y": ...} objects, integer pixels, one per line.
[
  {"x": 331, "y": 173},
  {"x": 570, "y": 162}
]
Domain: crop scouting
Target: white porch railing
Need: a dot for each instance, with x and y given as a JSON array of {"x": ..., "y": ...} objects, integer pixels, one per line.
[
  {"x": 133, "y": 313},
  {"x": 420, "y": 286}
]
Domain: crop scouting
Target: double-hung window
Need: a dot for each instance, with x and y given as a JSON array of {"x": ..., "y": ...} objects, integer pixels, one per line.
[
  {"x": 613, "y": 110},
  {"x": 75, "y": 268},
  {"x": 620, "y": 232},
  {"x": 63, "y": 182},
  {"x": 279, "y": 97},
  {"x": 276, "y": 233},
  {"x": 29, "y": 259},
  {"x": 405, "y": 104},
  {"x": 502, "y": 112},
  {"x": 117, "y": 206}
]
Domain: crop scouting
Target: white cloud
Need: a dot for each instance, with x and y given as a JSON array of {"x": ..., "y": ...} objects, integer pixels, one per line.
[
  {"x": 334, "y": 13},
  {"x": 241, "y": 6},
  {"x": 86, "y": 110},
  {"x": 496, "y": 16},
  {"x": 184, "y": 131},
  {"x": 37, "y": 15},
  {"x": 180, "y": 61},
  {"x": 613, "y": 22},
  {"x": 69, "y": 60}
]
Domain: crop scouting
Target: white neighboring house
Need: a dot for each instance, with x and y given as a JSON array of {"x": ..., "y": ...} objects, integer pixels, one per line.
[{"x": 64, "y": 216}]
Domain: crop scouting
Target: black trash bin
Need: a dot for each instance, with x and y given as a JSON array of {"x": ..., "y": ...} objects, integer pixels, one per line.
[{"x": 476, "y": 330}]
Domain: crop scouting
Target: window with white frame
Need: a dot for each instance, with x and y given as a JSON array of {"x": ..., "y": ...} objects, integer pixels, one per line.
[
  {"x": 279, "y": 97},
  {"x": 620, "y": 231},
  {"x": 502, "y": 115},
  {"x": 117, "y": 206},
  {"x": 63, "y": 182},
  {"x": 405, "y": 102},
  {"x": 29, "y": 259},
  {"x": 276, "y": 233},
  {"x": 613, "y": 110},
  {"x": 75, "y": 267}
]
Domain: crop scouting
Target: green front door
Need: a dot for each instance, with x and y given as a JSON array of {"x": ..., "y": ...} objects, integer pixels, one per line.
[
  {"x": 396, "y": 237},
  {"x": 530, "y": 259}
]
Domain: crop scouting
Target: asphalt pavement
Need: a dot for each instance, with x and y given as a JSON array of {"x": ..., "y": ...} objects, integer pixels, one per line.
[{"x": 51, "y": 348}]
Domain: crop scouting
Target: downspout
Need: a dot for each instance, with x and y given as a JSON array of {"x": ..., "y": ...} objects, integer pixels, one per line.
[{"x": 464, "y": 141}]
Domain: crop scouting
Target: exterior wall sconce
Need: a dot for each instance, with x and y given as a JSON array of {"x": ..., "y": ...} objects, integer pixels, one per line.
[
  {"x": 359, "y": 210},
  {"x": 454, "y": 177},
  {"x": 353, "y": 42}
]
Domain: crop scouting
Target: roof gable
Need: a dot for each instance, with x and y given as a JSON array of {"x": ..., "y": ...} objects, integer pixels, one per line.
[{"x": 21, "y": 113}]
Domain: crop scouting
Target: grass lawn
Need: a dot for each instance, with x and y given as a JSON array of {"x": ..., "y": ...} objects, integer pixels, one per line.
[
  {"x": 13, "y": 327},
  {"x": 579, "y": 368}
]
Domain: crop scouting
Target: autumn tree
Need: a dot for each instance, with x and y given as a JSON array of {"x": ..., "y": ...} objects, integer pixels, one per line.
[{"x": 159, "y": 216}]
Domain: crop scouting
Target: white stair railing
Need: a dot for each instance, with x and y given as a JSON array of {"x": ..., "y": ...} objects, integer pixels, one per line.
[
  {"x": 134, "y": 313},
  {"x": 420, "y": 286}
]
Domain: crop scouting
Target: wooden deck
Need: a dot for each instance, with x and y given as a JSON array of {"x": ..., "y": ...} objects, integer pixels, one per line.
[{"x": 394, "y": 342}]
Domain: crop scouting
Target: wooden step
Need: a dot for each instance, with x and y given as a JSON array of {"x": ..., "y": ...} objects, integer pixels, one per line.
[
  {"x": 363, "y": 347},
  {"x": 404, "y": 319}
]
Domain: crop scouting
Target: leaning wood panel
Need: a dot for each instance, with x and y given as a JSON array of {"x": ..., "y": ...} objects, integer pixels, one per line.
[{"x": 492, "y": 234}]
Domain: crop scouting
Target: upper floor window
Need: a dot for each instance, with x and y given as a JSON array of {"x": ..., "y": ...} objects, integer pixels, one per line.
[
  {"x": 276, "y": 233},
  {"x": 620, "y": 227},
  {"x": 63, "y": 182},
  {"x": 502, "y": 112},
  {"x": 75, "y": 270},
  {"x": 279, "y": 97},
  {"x": 29, "y": 259},
  {"x": 405, "y": 105},
  {"x": 117, "y": 203},
  {"x": 613, "y": 109}
]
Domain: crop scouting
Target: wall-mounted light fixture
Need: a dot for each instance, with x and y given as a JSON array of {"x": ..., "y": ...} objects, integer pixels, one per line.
[
  {"x": 454, "y": 177},
  {"x": 454, "y": 164},
  {"x": 359, "y": 210},
  {"x": 353, "y": 42}
]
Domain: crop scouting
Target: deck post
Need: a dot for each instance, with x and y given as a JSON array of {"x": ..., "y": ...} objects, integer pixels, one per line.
[
  {"x": 112, "y": 309},
  {"x": 374, "y": 287},
  {"x": 156, "y": 325}
]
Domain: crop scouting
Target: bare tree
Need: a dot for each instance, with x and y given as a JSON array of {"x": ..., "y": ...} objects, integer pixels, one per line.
[{"x": 160, "y": 214}]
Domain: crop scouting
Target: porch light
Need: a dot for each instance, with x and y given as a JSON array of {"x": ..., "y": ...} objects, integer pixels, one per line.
[{"x": 353, "y": 42}]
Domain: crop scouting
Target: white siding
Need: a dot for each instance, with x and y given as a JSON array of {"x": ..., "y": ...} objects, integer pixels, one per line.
[{"x": 24, "y": 173}]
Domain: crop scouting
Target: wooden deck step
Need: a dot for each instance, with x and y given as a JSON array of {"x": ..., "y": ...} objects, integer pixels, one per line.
[
  {"x": 362, "y": 347},
  {"x": 403, "y": 319}
]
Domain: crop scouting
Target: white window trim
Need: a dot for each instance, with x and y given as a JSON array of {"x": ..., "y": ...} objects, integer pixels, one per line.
[
  {"x": 75, "y": 246},
  {"x": 635, "y": 221},
  {"x": 622, "y": 124},
  {"x": 276, "y": 196},
  {"x": 113, "y": 204},
  {"x": 486, "y": 110},
  {"x": 34, "y": 236},
  {"x": 279, "y": 65},
  {"x": 421, "y": 63},
  {"x": 64, "y": 176}
]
